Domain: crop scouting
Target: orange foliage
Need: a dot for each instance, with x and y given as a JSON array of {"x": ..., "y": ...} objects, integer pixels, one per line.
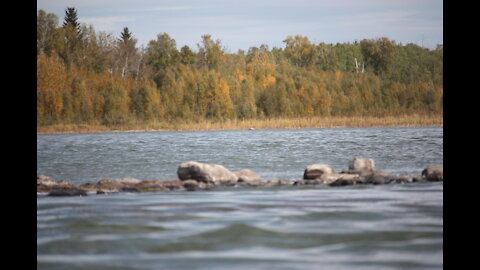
[
  {"x": 51, "y": 77},
  {"x": 268, "y": 80}
]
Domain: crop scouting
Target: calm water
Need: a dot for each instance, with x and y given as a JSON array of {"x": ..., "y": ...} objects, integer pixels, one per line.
[{"x": 315, "y": 227}]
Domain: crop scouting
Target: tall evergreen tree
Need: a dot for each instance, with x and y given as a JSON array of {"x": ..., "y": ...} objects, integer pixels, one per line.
[
  {"x": 71, "y": 18},
  {"x": 73, "y": 36},
  {"x": 126, "y": 35},
  {"x": 127, "y": 52}
]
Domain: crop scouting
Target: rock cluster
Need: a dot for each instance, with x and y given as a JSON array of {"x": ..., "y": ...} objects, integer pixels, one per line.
[
  {"x": 194, "y": 175},
  {"x": 362, "y": 171}
]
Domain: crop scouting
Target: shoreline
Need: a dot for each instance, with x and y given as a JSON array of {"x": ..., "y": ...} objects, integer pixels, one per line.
[{"x": 252, "y": 124}]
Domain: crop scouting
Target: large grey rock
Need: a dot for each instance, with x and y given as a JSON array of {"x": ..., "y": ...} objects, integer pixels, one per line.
[
  {"x": 208, "y": 173},
  {"x": 314, "y": 171},
  {"x": 248, "y": 177},
  {"x": 433, "y": 173},
  {"x": 361, "y": 164}
]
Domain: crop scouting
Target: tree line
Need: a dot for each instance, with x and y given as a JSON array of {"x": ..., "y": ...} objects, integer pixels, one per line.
[{"x": 85, "y": 77}]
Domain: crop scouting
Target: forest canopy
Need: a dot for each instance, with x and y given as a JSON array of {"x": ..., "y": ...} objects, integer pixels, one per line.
[{"x": 89, "y": 77}]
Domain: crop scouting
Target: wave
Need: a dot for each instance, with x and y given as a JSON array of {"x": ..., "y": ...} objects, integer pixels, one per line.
[{"x": 240, "y": 235}]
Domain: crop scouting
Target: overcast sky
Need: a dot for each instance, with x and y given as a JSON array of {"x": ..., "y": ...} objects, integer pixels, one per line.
[{"x": 245, "y": 23}]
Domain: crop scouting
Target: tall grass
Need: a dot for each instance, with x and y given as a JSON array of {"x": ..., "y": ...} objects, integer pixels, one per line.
[{"x": 267, "y": 123}]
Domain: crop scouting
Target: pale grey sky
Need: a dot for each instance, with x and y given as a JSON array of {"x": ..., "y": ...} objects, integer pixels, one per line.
[{"x": 245, "y": 23}]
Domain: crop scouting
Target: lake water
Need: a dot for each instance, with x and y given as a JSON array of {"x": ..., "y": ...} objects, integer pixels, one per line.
[{"x": 306, "y": 227}]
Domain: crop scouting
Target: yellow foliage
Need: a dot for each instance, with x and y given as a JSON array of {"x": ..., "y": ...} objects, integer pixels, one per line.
[
  {"x": 268, "y": 80},
  {"x": 226, "y": 104},
  {"x": 338, "y": 75},
  {"x": 51, "y": 77},
  {"x": 240, "y": 77}
]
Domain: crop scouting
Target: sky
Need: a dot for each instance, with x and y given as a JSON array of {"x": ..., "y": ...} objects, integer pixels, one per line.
[{"x": 246, "y": 23}]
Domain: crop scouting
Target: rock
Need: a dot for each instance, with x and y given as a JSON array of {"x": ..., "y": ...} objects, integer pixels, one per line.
[
  {"x": 190, "y": 185},
  {"x": 361, "y": 164},
  {"x": 46, "y": 184},
  {"x": 248, "y": 177},
  {"x": 63, "y": 192},
  {"x": 129, "y": 181},
  {"x": 377, "y": 179},
  {"x": 419, "y": 179},
  {"x": 45, "y": 180},
  {"x": 299, "y": 183},
  {"x": 343, "y": 182},
  {"x": 208, "y": 173},
  {"x": 172, "y": 184},
  {"x": 151, "y": 185},
  {"x": 433, "y": 173},
  {"x": 314, "y": 171},
  {"x": 109, "y": 185},
  {"x": 313, "y": 182},
  {"x": 401, "y": 179},
  {"x": 279, "y": 182},
  {"x": 330, "y": 178},
  {"x": 365, "y": 173},
  {"x": 343, "y": 179},
  {"x": 88, "y": 187},
  {"x": 286, "y": 182},
  {"x": 130, "y": 189}
]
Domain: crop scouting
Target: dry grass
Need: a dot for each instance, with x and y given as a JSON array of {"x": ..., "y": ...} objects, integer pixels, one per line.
[{"x": 269, "y": 123}]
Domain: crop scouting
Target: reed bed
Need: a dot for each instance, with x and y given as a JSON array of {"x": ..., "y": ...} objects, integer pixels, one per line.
[{"x": 267, "y": 123}]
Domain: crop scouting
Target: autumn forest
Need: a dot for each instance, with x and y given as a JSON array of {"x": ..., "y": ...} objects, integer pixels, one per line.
[{"x": 89, "y": 77}]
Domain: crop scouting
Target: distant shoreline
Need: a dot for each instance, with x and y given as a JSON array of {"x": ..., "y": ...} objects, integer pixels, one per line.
[{"x": 253, "y": 124}]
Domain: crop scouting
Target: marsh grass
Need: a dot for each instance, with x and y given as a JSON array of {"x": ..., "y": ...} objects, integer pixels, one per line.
[{"x": 267, "y": 123}]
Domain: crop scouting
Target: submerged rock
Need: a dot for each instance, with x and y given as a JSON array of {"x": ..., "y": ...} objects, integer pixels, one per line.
[
  {"x": 151, "y": 185},
  {"x": 208, "y": 173},
  {"x": 278, "y": 183},
  {"x": 173, "y": 184},
  {"x": 330, "y": 178},
  {"x": 377, "y": 179},
  {"x": 433, "y": 173},
  {"x": 345, "y": 182},
  {"x": 401, "y": 179},
  {"x": 64, "y": 192},
  {"x": 190, "y": 185},
  {"x": 130, "y": 189},
  {"x": 419, "y": 179}
]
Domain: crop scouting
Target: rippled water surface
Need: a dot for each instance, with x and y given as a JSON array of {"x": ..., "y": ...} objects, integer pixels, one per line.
[{"x": 315, "y": 227}]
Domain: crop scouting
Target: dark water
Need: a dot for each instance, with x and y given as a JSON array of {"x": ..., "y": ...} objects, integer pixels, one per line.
[{"x": 315, "y": 227}]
